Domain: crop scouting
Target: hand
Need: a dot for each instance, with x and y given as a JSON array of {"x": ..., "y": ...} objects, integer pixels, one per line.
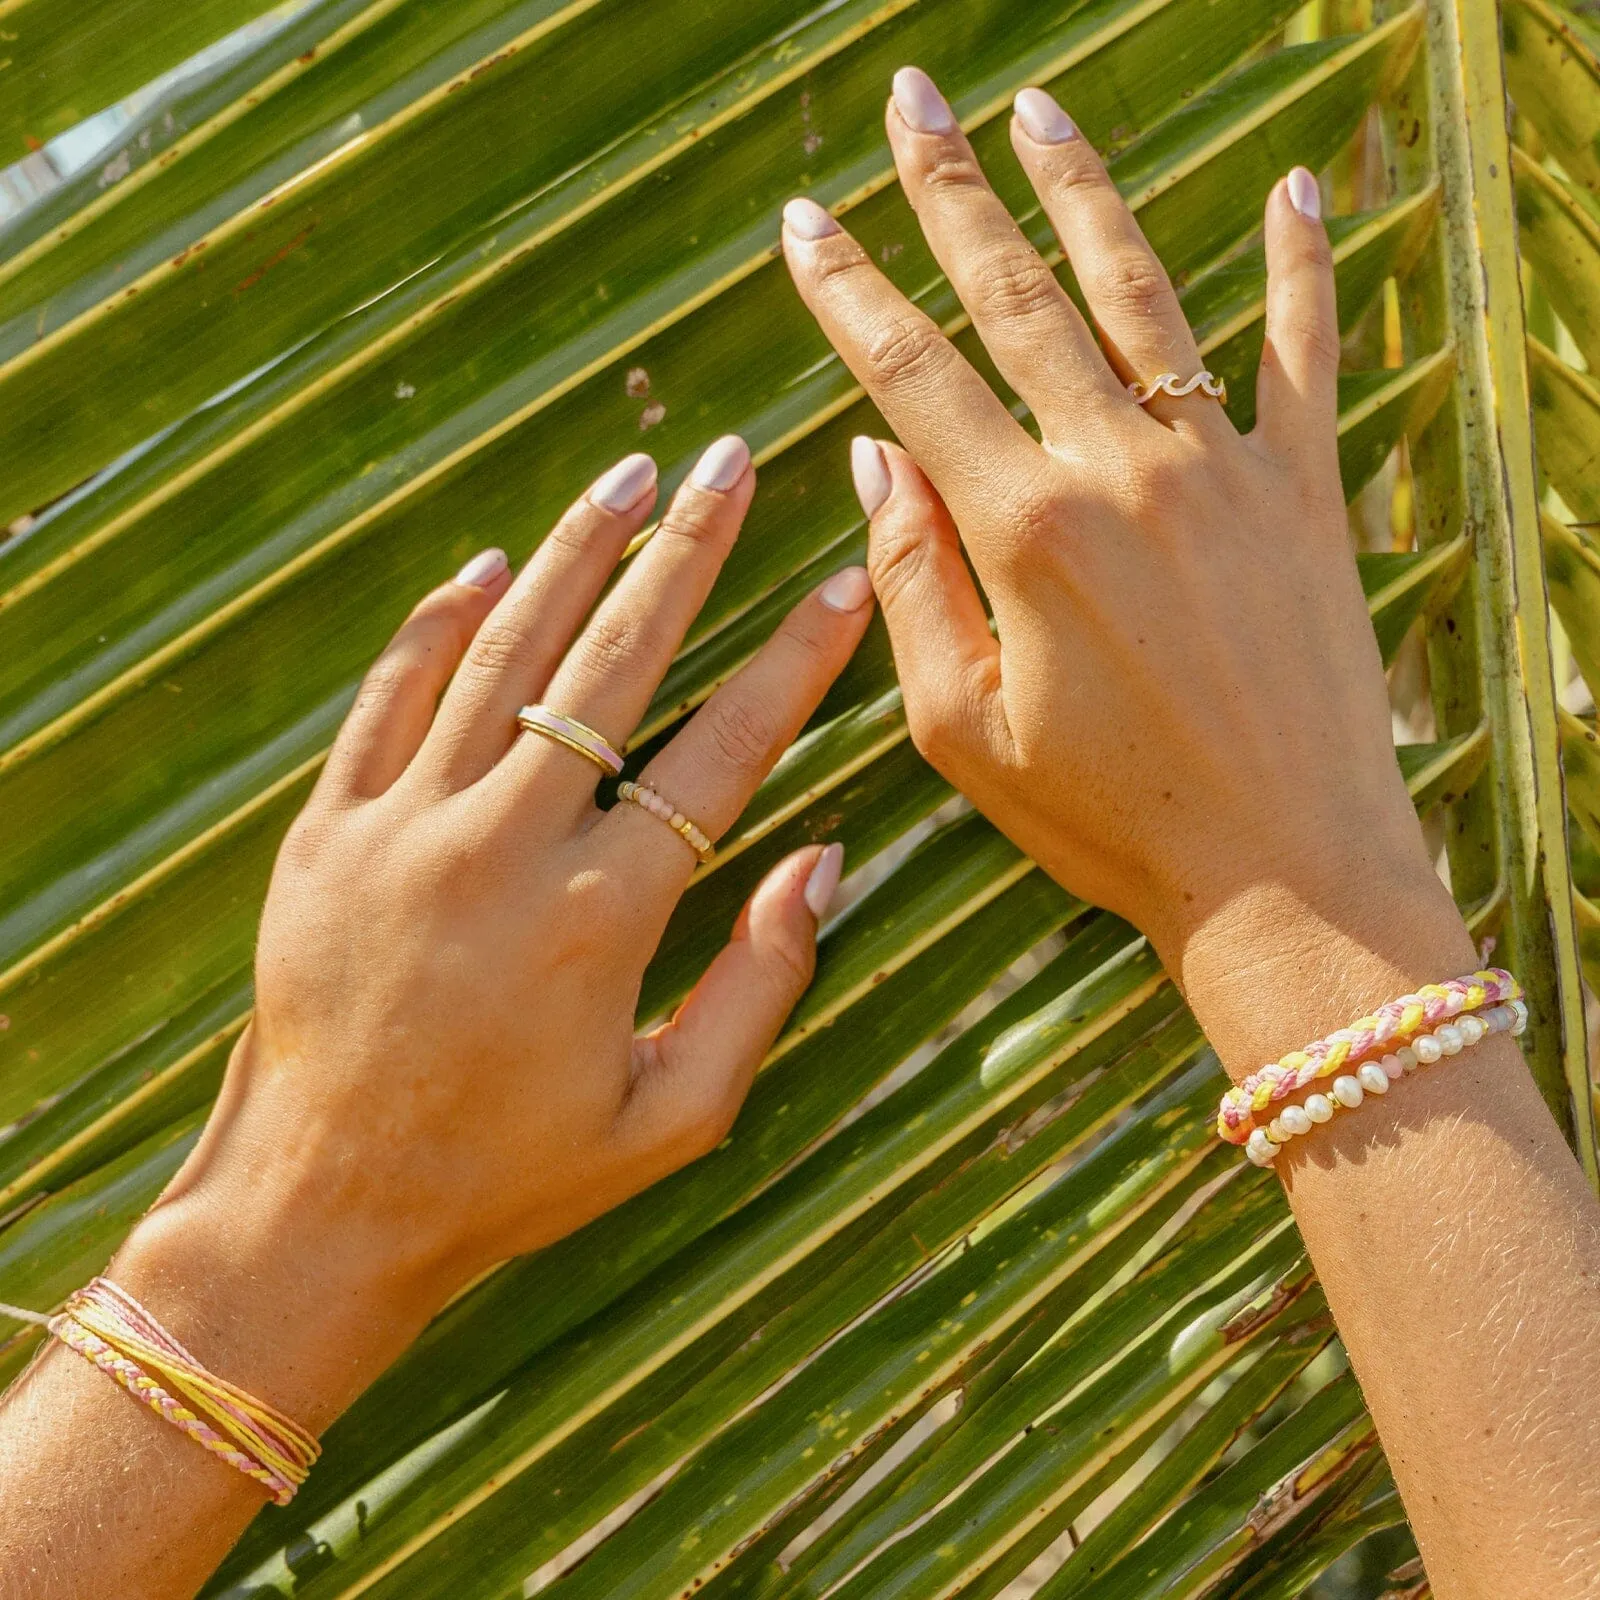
[
  {"x": 442, "y": 1069},
  {"x": 1181, "y": 713}
]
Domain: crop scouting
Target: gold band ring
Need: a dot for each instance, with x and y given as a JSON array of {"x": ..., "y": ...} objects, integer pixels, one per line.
[
  {"x": 1167, "y": 383},
  {"x": 648, "y": 800},
  {"x": 575, "y": 735}
]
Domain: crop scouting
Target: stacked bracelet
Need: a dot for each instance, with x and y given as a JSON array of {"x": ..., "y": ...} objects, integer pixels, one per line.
[
  {"x": 112, "y": 1331},
  {"x": 1365, "y": 1058}
]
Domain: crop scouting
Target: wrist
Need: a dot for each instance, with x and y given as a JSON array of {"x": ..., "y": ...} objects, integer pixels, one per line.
[
  {"x": 274, "y": 1282},
  {"x": 1286, "y": 960}
]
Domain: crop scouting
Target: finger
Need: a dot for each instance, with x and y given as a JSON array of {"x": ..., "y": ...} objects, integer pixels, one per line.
[
  {"x": 608, "y": 676},
  {"x": 395, "y": 704},
  {"x": 691, "y": 1076},
  {"x": 519, "y": 646},
  {"x": 1297, "y": 390},
  {"x": 930, "y": 395},
  {"x": 711, "y": 768},
  {"x": 1142, "y": 326},
  {"x": 947, "y": 660},
  {"x": 1038, "y": 339}
]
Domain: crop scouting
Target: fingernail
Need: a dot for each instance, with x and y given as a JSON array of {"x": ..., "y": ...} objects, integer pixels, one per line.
[
  {"x": 871, "y": 472},
  {"x": 723, "y": 464},
  {"x": 1042, "y": 118},
  {"x": 922, "y": 108},
  {"x": 824, "y": 880},
  {"x": 622, "y": 487},
  {"x": 805, "y": 219},
  {"x": 1304, "y": 194},
  {"x": 483, "y": 569},
  {"x": 846, "y": 591}
]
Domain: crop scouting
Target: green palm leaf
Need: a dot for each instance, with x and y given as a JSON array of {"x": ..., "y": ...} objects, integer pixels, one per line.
[{"x": 392, "y": 279}]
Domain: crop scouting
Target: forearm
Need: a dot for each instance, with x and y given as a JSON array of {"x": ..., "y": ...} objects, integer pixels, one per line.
[
  {"x": 98, "y": 1494},
  {"x": 1456, "y": 1239}
]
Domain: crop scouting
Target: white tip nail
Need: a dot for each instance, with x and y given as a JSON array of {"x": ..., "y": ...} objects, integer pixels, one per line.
[
  {"x": 723, "y": 464},
  {"x": 1304, "y": 194},
  {"x": 871, "y": 473},
  {"x": 1042, "y": 118},
  {"x": 483, "y": 569},
  {"x": 846, "y": 591},
  {"x": 824, "y": 880},
  {"x": 805, "y": 219},
  {"x": 922, "y": 108},
  {"x": 622, "y": 487}
]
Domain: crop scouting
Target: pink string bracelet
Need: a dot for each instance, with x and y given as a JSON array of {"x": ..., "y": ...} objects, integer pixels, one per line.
[
  {"x": 112, "y": 1331},
  {"x": 1439, "y": 1019}
]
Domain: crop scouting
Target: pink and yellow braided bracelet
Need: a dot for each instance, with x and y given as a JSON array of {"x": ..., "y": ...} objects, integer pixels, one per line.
[
  {"x": 1440, "y": 1019},
  {"x": 111, "y": 1330}
]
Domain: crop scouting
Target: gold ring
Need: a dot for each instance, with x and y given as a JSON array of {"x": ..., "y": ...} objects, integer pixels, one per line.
[
  {"x": 573, "y": 734},
  {"x": 648, "y": 800},
  {"x": 1167, "y": 383}
]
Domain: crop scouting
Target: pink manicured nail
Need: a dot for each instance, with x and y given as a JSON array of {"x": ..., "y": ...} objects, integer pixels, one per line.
[
  {"x": 1304, "y": 194},
  {"x": 622, "y": 487},
  {"x": 805, "y": 219},
  {"x": 723, "y": 464},
  {"x": 846, "y": 591},
  {"x": 824, "y": 880},
  {"x": 922, "y": 108},
  {"x": 871, "y": 472},
  {"x": 1042, "y": 119},
  {"x": 483, "y": 569}
]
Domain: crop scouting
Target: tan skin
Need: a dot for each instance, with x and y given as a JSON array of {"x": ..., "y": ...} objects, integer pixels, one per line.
[{"x": 1168, "y": 600}]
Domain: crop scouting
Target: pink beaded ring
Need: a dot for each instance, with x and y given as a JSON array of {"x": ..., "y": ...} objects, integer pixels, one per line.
[{"x": 1440, "y": 1019}]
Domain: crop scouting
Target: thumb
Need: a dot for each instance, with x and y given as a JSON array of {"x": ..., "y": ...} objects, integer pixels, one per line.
[{"x": 691, "y": 1076}]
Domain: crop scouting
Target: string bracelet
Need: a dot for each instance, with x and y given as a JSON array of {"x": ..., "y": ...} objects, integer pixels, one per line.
[
  {"x": 1348, "y": 1090},
  {"x": 112, "y": 1331},
  {"x": 1388, "y": 1029}
]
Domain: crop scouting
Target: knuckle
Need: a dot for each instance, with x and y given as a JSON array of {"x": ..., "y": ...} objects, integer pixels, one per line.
[
  {"x": 501, "y": 647},
  {"x": 1015, "y": 287},
  {"x": 742, "y": 733},
  {"x": 700, "y": 519},
  {"x": 906, "y": 351},
  {"x": 611, "y": 645},
  {"x": 710, "y": 1119},
  {"x": 936, "y": 732},
  {"x": 895, "y": 558},
  {"x": 1320, "y": 340},
  {"x": 1133, "y": 284},
  {"x": 953, "y": 167}
]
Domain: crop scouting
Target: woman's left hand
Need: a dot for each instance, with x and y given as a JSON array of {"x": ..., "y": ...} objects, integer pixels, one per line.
[{"x": 442, "y": 1070}]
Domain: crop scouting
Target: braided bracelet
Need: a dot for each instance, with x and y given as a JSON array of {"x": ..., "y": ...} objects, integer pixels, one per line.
[
  {"x": 1404, "y": 1033},
  {"x": 112, "y": 1331}
]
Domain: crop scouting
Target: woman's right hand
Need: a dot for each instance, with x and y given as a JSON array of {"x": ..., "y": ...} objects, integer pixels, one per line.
[{"x": 1181, "y": 713}]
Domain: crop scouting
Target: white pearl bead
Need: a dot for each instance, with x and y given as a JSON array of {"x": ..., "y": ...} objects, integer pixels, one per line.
[
  {"x": 1276, "y": 1131},
  {"x": 1319, "y": 1107},
  {"x": 1427, "y": 1048},
  {"x": 1373, "y": 1078},
  {"x": 1260, "y": 1148},
  {"x": 1348, "y": 1091},
  {"x": 1448, "y": 1037},
  {"x": 1295, "y": 1121},
  {"x": 1392, "y": 1068},
  {"x": 1471, "y": 1029},
  {"x": 1497, "y": 1018},
  {"x": 1407, "y": 1057},
  {"x": 1519, "y": 1012}
]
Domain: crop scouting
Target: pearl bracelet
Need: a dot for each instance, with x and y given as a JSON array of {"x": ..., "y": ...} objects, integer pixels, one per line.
[{"x": 1347, "y": 1091}]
